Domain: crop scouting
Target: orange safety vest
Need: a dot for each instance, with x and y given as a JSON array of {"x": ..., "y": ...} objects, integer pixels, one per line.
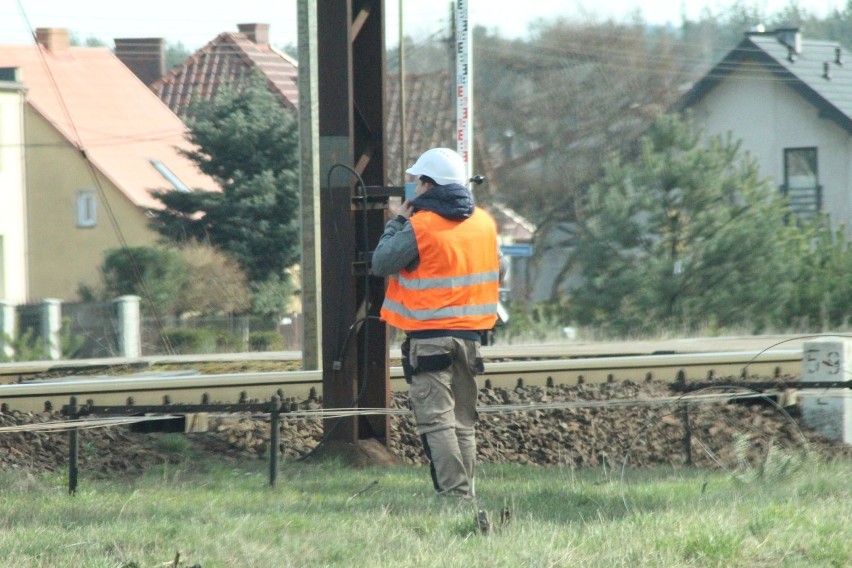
[{"x": 456, "y": 284}]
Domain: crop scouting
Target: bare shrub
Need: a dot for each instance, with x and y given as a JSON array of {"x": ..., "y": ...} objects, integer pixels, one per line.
[{"x": 216, "y": 283}]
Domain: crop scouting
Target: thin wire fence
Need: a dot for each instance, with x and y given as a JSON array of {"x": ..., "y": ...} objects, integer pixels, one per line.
[
  {"x": 222, "y": 334},
  {"x": 90, "y": 330}
]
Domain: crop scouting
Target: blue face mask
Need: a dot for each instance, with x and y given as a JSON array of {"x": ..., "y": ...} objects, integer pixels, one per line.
[{"x": 410, "y": 187}]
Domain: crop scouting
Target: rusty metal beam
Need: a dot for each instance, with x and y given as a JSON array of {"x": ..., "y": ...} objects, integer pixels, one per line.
[{"x": 351, "y": 70}]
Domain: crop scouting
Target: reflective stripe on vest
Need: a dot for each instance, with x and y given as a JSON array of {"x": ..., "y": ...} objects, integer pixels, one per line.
[
  {"x": 423, "y": 315},
  {"x": 456, "y": 283},
  {"x": 449, "y": 282}
]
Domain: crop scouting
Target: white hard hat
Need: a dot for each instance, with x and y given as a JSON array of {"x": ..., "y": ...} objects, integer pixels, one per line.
[{"x": 442, "y": 165}]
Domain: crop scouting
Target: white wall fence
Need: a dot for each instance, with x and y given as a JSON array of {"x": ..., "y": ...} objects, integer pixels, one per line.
[{"x": 57, "y": 330}]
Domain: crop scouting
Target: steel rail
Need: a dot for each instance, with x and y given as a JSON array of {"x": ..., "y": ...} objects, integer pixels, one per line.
[
  {"x": 187, "y": 387},
  {"x": 12, "y": 372},
  {"x": 25, "y": 368}
]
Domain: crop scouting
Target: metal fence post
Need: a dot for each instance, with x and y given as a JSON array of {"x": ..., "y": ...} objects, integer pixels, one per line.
[
  {"x": 73, "y": 449},
  {"x": 51, "y": 327},
  {"x": 8, "y": 330},
  {"x": 129, "y": 326},
  {"x": 687, "y": 434},
  {"x": 274, "y": 439}
]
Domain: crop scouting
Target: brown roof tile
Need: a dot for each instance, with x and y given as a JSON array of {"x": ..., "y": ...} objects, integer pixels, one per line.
[
  {"x": 230, "y": 60},
  {"x": 430, "y": 121},
  {"x": 430, "y": 104}
]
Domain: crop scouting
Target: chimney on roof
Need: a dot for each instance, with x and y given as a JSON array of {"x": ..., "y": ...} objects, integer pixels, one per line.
[
  {"x": 53, "y": 39},
  {"x": 791, "y": 37},
  {"x": 258, "y": 33},
  {"x": 838, "y": 55},
  {"x": 145, "y": 56}
]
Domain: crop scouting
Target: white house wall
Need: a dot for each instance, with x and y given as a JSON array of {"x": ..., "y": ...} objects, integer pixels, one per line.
[
  {"x": 13, "y": 271},
  {"x": 768, "y": 116}
]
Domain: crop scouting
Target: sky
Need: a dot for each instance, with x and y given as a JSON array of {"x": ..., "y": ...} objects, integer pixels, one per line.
[{"x": 194, "y": 22}]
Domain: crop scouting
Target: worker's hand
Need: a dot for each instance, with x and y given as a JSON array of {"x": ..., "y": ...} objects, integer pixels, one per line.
[{"x": 406, "y": 209}]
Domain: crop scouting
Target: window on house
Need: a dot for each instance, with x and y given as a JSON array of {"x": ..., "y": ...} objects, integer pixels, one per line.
[
  {"x": 87, "y": 208},
  {"x": 801, "y": 182}
]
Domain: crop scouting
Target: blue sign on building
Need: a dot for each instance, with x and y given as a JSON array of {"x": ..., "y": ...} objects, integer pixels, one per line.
[{"x": 517, "y": 250}]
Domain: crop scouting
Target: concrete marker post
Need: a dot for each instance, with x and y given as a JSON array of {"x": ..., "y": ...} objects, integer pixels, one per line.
[
  {"x": 8, "y": 330},
  {"x": 51, "y": 327},
  {"x": 828, "y": 411},
  {"x": 129, "y": 326}
]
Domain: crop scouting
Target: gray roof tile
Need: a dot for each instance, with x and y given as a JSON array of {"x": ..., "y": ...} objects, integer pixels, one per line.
[{"x": 814, "y": 71}]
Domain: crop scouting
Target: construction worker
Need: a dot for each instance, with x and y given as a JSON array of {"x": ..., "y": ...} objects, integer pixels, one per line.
[{"x": 442, "y": 254}]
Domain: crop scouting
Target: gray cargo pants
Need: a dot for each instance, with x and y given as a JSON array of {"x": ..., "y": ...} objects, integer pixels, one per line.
[{"x": 443, "y": 395}]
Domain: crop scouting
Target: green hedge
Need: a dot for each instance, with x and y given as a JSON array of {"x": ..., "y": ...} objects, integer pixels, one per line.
[
  {"x": 183, "y": 340},
  {"x": 266, "y": 341},
  {"x": 199, "y": 340}
]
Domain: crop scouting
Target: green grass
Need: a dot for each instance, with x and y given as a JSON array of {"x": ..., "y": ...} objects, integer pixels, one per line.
[{"x": 213, "y": 514}]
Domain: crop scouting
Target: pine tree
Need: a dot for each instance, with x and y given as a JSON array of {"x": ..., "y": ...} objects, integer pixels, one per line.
[
  {"x": 685, "y": 235},
  {"x": 248, "y": 142}
]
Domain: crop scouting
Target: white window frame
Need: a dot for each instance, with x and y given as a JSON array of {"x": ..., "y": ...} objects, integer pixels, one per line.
[{"x": 87, "y": 208}]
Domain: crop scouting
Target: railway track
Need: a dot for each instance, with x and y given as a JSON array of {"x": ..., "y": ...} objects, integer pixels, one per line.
[{"x": 189, "y": 386}]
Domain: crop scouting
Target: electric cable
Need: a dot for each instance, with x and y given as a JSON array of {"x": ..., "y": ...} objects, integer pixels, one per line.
[
  {"x": 797, "y": 338},
  {"x": 324, "y": 413},
  {"x": 679, "y": 403},
  {"x": 364, "y": 321}
]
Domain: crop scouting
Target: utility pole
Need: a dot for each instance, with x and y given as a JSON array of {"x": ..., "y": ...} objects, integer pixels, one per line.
[{"x": 309, "y": 200}]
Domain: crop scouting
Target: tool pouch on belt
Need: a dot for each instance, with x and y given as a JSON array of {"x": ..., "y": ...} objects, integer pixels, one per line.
[
  {"x": 436, "y": 362},
  {"x": 407, "y": 369},
  {"x": 427, "y": 363}
]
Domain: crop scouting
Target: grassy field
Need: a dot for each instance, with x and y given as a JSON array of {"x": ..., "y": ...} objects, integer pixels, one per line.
[{"x": 207, "y": 513}]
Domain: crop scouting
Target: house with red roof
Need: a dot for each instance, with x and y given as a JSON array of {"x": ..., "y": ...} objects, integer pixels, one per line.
[
  {"x": 13, "y": 268},
  {"x": 97, "y": 142}
]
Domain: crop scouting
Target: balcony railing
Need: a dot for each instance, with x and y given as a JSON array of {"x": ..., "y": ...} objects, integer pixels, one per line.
[{"x": 805, "y": 202}]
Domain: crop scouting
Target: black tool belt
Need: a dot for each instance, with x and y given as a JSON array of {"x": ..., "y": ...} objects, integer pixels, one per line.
[{"x": 437, "y": 362}]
